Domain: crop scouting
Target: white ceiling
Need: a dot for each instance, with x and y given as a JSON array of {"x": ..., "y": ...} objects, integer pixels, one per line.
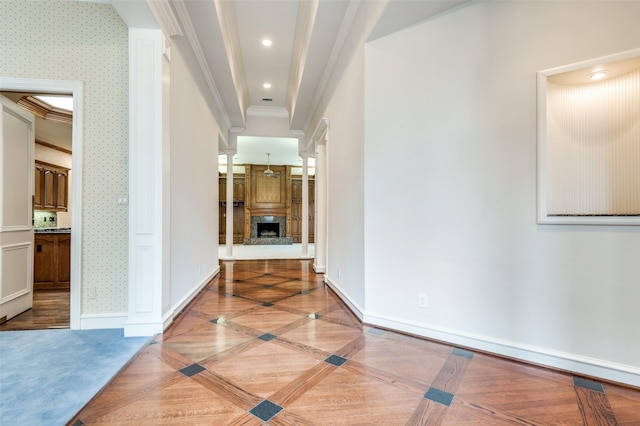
[{"x": 309, "y": 38}]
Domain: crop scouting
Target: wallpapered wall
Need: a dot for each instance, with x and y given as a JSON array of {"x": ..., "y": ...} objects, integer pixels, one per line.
[{"x": 88, "y": 42}]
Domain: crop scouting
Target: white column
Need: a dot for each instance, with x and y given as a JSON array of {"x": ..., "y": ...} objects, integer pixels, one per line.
[
  {"x": 319, "y": 265},
  {"x": 147, "y": 193},
  {"x": 229, "y": 233},
  {"x": 305, "y": 206}
]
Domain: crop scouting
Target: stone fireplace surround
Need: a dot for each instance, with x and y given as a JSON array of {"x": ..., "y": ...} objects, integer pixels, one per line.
[{"x": 255, "y": 239}]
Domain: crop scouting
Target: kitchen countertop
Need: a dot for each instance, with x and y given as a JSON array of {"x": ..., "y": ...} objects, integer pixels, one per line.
[{"x": 52, "y": 230}]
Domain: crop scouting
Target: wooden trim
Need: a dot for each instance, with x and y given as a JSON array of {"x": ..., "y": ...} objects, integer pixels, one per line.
[
  {"x": 54, "y": 166},
  {"x": 57, "y": 148},
  {"x": 281, "y": 211},
  {"x": 44, "y": 110}
]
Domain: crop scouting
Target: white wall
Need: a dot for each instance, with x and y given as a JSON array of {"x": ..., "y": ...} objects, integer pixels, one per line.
[
  {"x": 345, "y": 200},
  {"x": 88, "y": 42},
  {"x": 453, "y": 102},
  {"x": 194, "y": 177}
]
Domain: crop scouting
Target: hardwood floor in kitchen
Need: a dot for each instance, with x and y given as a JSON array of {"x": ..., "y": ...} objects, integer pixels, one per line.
[
  {"x": 50, "y": 309},
  {"x": 267, "y": 342}
]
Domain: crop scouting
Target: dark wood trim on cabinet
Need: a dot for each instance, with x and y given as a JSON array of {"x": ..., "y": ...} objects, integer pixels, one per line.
[{"x": 57, "y": 148}]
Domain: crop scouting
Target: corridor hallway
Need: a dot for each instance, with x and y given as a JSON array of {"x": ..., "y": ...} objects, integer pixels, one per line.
[{"x": 267, "y": 341}]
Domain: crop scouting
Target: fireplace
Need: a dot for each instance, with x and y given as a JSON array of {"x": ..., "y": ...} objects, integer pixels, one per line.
[
  {"x": 268, "y": 230},
  {"x": 265, "y": 230}
]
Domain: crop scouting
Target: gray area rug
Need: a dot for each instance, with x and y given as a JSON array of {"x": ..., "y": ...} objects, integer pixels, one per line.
[{"x": 47, "y": 376}]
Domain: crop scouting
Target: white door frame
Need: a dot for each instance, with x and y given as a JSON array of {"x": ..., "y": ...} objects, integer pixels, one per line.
[{"x": 74, "y": 88}]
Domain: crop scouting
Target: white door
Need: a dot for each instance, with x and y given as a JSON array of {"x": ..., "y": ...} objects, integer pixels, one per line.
[{"x": 16, "y": 209}]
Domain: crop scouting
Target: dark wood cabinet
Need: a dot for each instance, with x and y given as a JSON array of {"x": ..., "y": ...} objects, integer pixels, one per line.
[
  {"x": 51, "y": 187},
  {"x": 62, "y": 190},
  {"x": 296, "y": 209},
  {"x": 238, "y": 209},
  {"x": 38, "y": 187},
  {"x": 238, "y": 189},
  {"x": 238, "y": 224},
  {"x": 52, "y": 260}
]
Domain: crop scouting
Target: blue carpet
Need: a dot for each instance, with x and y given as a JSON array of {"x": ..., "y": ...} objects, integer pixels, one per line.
[{"x": 47, "y": 376}]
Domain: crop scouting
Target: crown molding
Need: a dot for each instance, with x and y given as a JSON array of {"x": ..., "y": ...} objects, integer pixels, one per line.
[
  {"x": 320, "y": 134},
  {"x": 56, "y": 147},
  {"x": 165, "y": 16},
  {"x": 43, "y": 110}
]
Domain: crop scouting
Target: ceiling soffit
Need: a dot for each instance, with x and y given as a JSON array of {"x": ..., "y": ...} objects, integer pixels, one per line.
[
  {"x": 307, "y": 38},
  {"x": 304, "y": 26},
  {"x": 312, "y": 40},
  {"x": 325, "y": 45},
  {"x": 400, "y": 14},
  {"x": 231, "y": 38},
  {"x": 200, "y": 24}
]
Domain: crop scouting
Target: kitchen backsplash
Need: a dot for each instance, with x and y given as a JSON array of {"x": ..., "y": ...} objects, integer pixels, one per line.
[{"x": 45, "y": 219}]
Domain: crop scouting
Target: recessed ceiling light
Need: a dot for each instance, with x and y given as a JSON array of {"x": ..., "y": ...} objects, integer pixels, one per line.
[
  {"x": 267, "y": 85},
  {"x": 598, "y": 75},
  {"x": 266, "y": 42}
]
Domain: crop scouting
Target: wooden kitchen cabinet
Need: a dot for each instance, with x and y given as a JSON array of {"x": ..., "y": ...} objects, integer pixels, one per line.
[
  {"x": 51, "y": 187},
  {"x": 62, "y": 190},
  {"x": 52, "y": 260}
]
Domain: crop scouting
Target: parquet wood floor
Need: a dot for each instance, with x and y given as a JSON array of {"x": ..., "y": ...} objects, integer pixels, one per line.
[
  {"x": 267, "y": 343},
  {"x": 51, "y": 309}
]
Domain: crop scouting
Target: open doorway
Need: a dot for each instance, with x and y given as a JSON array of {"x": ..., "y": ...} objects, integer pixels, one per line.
[
  {"x": 62, "y": 160},
  {"x": 267, "y": 193},
  {"x": 52, "y": 205}
]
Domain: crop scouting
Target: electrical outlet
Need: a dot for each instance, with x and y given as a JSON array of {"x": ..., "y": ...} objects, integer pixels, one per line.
[
  {"x": 423, "y": 301},
  {"x": 91, "y": 293}
]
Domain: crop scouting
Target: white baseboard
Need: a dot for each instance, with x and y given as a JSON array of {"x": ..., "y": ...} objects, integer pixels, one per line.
[
  {"x": 555, "y": 359},
  {"x": 142, "y": 329},
  {"x": 97, "y": 321},
  {"x": 119, "y": 319},
  {"x": 175, "y": 311},
  {"x": 351, "y": 304}
]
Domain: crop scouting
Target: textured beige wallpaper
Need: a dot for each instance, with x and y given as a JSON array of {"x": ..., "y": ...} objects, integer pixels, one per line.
[{"x": 66, "y": 40}]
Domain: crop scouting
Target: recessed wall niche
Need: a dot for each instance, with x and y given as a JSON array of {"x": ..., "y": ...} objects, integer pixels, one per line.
[{"x": 589, "y": 142}]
